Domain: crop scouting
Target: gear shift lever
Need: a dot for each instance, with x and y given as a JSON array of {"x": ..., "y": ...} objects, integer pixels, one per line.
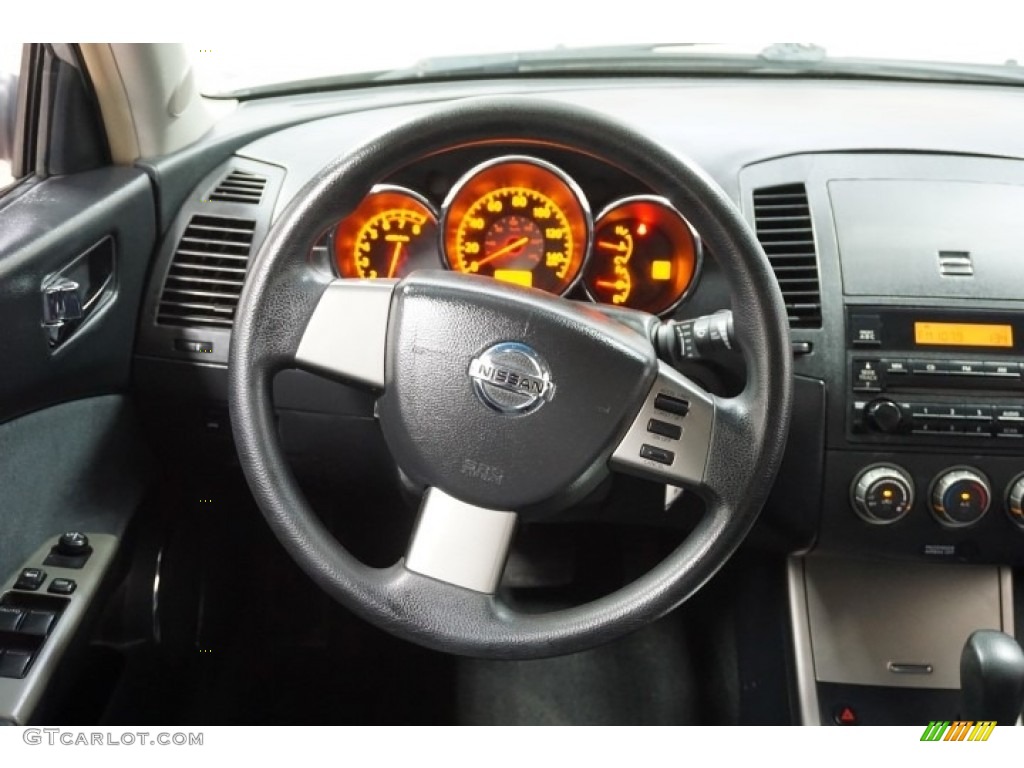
[{"x": 992, "y": 677}]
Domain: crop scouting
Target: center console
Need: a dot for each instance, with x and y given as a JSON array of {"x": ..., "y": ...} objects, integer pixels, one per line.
[
  {"x": 935, "y": 400},
  {"x": 921, "y": 348}
]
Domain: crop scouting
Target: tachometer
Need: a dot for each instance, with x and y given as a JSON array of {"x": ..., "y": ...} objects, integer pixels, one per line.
[
  {"x": 391, "y": 233},
  {"x": 645, "y": 256},
  {"x": 520, "y": 220}
]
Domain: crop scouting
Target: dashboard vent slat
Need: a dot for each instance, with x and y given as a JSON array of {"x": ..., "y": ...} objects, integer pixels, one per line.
[
  {"x": 207, "y": 273},
  {"x": 239, "y": 187},
  {"x": 782, "y": 219}
]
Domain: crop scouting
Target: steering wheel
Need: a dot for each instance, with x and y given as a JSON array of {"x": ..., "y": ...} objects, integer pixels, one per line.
[{"x": 505, "y": 403}]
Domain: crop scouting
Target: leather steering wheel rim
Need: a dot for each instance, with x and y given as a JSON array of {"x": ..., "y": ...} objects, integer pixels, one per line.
[{"x": 745, "y": 449}]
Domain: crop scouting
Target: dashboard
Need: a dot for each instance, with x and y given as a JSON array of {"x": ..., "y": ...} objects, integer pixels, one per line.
[
  {"x": 889, "y": 214},
  {"x": 870, "y": 201}
]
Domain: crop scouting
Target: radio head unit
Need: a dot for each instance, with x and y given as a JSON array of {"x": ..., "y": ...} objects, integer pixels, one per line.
[{"x": 919, "y": 376}]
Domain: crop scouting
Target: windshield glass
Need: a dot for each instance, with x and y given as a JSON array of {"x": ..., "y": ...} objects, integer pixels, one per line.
[{"x": 401, "y": 50}]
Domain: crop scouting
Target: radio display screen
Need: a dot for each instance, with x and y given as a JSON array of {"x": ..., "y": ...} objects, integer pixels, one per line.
[{"x": 963, "y": 334}]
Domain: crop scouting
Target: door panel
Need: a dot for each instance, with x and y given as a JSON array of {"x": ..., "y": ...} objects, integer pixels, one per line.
[
  {"x": 70, "y": 457},
  {"x": 42, "y": 232}
]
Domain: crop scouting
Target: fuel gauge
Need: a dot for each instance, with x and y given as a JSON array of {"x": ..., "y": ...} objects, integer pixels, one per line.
[{"x": 645, "y": 256}]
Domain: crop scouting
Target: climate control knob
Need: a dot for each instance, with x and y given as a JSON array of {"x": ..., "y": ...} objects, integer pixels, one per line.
[
  {"x": 960, "y": 497},
  {"x": 1015, "y": 500},
  {"x": 882, "y": 493},
  {"x": 884, "y": 415}
]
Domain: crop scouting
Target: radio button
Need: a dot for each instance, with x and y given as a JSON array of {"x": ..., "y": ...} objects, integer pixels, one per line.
[
  {"x": 884, "y": 415},
  {"x": 937, "y": 427},
  {"x": 978, "y": 429},
  {"x": 932, "y": 411},
  {"x": 1002, "y": 370},
  {"x": 865, "y": 376},
  {"x": 930, "y": 367},
  {"x": 1010, "y": 430},
  {"x": 966, "y": 368},
  {"x": 1008, "y": 414},
  {"x": 896, "y": 367},
  {"x": 974, "y": 412},
  {"x": 865, "y": 330}
]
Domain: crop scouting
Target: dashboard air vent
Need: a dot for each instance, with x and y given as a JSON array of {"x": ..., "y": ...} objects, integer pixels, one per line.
[
  {"x": 782, "y": 216},
  {"x": 207, "y": 273},
  {"x": 240, "y": 187}
]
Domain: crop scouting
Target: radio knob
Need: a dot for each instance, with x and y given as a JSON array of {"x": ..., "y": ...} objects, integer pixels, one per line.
[
  {"x": 960, "y": 497},
  {"x": 882, "y": 494},
  {"x": 1015, "y": 501},
  {"x": 884, "y": 415}
]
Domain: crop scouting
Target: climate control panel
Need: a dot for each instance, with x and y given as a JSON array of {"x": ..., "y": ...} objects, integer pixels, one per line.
[
  {"x": 882, "y": 494},
  {"x": 958, "y": 496}
]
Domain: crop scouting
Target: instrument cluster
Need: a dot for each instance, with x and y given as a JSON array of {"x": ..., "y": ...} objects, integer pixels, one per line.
[{"x": 523, "y": 220}]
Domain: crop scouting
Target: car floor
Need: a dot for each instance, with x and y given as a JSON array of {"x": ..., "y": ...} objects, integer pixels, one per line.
[{"x": 249, "y": 639}]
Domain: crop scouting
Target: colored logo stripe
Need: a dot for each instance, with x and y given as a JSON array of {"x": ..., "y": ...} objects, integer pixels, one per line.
[
  {"x": 982, "y": 731},
  {"x": 959, "y": 730}
]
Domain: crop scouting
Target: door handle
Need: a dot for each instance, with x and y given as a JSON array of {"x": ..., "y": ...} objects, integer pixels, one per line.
[
  {"x": 61, "y": 302},
  {"x": 73, "y": 294}
]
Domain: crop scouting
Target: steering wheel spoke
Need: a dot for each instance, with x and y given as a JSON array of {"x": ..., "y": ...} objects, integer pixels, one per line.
[
  {"x": 346, "y": 337},
  {"x": 459, "y": 543},
  {"x": 670, "y": 438}
]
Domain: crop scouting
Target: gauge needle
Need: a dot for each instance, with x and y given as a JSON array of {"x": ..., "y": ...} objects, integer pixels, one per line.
[
  {"x": 394, "y": 259},
  {"x": 504, "y": 250},
  {"x": 609, "y": 283},
  {"x": 611, "y": 246}
]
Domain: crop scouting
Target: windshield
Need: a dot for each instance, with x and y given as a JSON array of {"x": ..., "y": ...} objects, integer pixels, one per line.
[{"x": 404, "y": 52}]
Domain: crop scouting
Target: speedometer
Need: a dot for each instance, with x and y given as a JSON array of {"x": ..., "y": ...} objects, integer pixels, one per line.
[{"x": 519, "y": 220}]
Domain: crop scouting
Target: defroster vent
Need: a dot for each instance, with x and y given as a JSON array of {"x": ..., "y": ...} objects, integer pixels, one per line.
[
  {"x": 207, "y": 273},
  {"x": 782, "y": 217},
  {"x": 239, "y": 187}
]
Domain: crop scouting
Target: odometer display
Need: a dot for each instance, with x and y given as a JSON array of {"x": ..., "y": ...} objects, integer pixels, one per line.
[{"x": 519, "y": 220}]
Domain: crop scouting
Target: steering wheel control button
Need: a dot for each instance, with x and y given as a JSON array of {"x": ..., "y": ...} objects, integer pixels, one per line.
[
  {"x": 10, "y": 618},
  {"x": 677, "y": 406},
  {"x": 62, "y": 586},
  {"x": 672, "y": 397},
  {"x": 660, "y": 455},
  {"x": 30, "y": 579},
  {"x": 663, "y": 428},
  {"x": 512, "y": 378},
  {"x": 960, "y": 497},
  {"x": 882, "y": 494},
  {"x": 14, "y": 663}
]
